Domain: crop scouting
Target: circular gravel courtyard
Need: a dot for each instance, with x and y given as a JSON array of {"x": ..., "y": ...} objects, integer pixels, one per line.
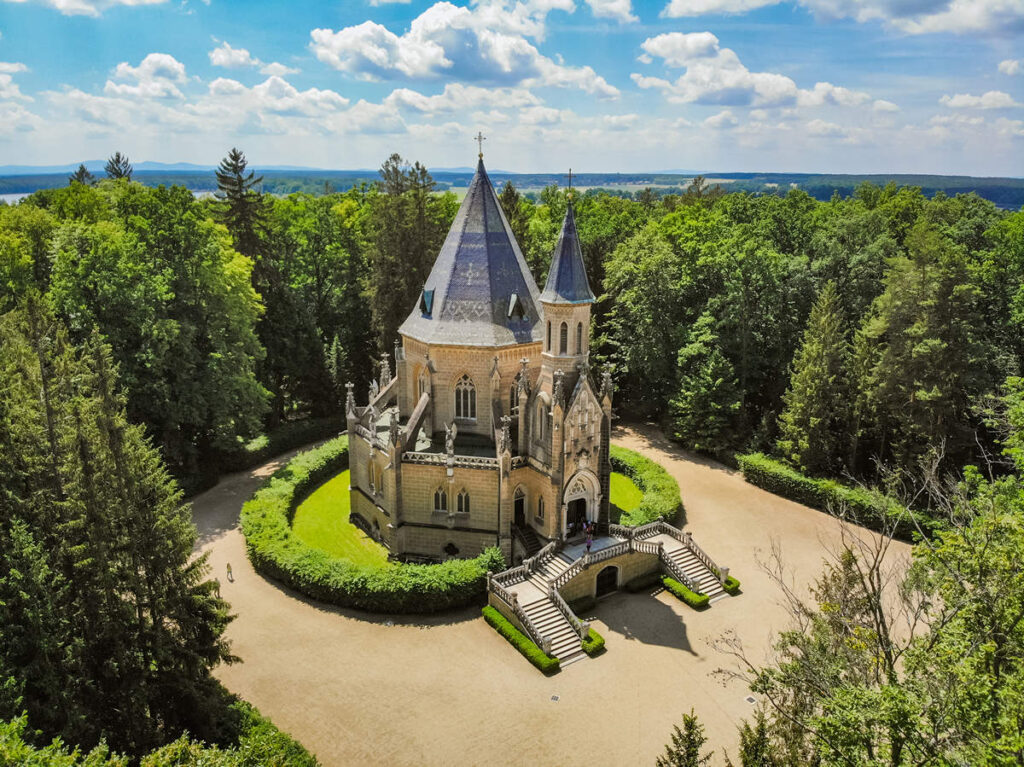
[{"x": 357, "y": 688}]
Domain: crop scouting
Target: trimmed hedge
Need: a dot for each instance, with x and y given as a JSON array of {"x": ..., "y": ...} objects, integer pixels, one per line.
[
  {"x": 520, "y": 641},
  {"x": 399, "y": 588},
  {"x": 661, "y": 491},
  {"x": 731, "y": 585},
  {"x": 692, "y": 598},
  {"x": 869, "y": 508},
  {"x": 593, "y": 644}
]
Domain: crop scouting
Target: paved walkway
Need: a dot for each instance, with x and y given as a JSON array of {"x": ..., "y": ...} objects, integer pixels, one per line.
[{"x": 357, "y": 688}]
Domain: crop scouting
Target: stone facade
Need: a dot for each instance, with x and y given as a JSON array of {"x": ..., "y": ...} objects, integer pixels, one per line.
[{"x": 490, "y": 431}]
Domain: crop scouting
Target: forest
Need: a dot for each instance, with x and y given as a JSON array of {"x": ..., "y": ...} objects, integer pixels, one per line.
[{"x": 149, "y": 337}]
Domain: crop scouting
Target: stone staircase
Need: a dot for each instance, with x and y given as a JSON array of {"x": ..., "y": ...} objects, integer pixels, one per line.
[
  {"x": 707, "y": 582},
  {"x": 529, "y": 540}
]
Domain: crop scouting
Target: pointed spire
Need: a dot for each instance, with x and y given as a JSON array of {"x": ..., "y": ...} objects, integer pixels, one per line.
[{"x": 567, "y": 279}]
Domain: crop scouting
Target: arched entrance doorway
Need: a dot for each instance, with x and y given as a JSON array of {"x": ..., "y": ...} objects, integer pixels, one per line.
[
  {"x": 607, "y": 581},
  {"x": 580, "y": 503},
  {"x": 520, "y": 508}
]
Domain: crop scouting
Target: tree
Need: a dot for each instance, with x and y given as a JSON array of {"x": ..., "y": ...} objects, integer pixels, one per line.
[
  {"x": 685, "y": 748},
  {"x": 814, "y": 419},
  {"x": 756, "y": 748},
  {"x": 116, "y": 627},
  {"x": 83, "y": 176},
  {"x": 705, "y": 409},
  {"x": 516, "y": 213},
  {"x": 407, "y": 225},
  {"x": 118, "y": 167},
  {"x": 242, "y": 208}
]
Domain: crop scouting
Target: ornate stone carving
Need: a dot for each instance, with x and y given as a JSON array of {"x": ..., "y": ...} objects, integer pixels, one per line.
[
  {"x": 374, "y": 390},
  {"x": 385, "y": 371},
  {"x": 523, "y": 382},
  {"x": 606, "y": 384},
  {"x": 393, "y": 428},
  {"x": 350, "y": 398},
  {"x": 450, "y": 432},
  {"x": 506, "y": 434},
  {"x": 557, "y": 398}
]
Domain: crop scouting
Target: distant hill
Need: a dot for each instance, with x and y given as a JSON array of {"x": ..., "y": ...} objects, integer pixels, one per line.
[{"x": 281, "y": 180}]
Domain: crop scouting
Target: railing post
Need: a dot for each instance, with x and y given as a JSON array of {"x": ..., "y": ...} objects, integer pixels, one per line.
[
  {"x": 723, "y": 574},
  {"x": 490, "y": 575},
  {"x": 545, "y": 645},
  {"x": 584, "y": 629}
]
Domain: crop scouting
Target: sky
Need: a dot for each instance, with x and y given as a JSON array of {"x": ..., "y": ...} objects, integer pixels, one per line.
[{"x": 831, "y": 86}]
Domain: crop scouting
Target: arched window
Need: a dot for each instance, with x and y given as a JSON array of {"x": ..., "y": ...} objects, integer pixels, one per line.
[
  {"x": 465, "y": 398},
  {"x": 563, "y": 340},
  {"x": 540, "y": 508},
  {"x": 579, "y": 338},
  {"x": 371, "y": 473},
  {"x": 513, "y": 400},
  {"x": 440, "y": 500},
  {"x": 463, "y": 502},
  {"x": 549, "y": 335}
]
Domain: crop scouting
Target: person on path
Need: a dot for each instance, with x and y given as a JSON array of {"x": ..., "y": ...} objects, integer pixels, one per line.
[
  {"x": 231, "y": 577},
  {"x": 590, "y": 540}
]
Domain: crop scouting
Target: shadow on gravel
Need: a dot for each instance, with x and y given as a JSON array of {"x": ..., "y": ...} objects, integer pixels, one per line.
[{"x": 642, "y": 618}]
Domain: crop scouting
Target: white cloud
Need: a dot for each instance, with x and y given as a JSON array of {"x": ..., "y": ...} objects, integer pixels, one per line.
[
  {"x": 457, "y": 97},
  {"x": 620, "y": 122},
  {"x": 12, "y": 67},
  {"x": 881, "y": 105},
  {"x": 156, "y": 77},
  {"x": 1011, "y": 128},
  {"x": 722, "y": 121},
  {"x": 715, "y": 75},
  {"x": 1012, "y": 66},
  {"x": 275, "y": 68},
  {"x": 680, "y": 8},
  {"x": 232, "y": 58},
  {"x": 825, "y": 129},
  {"x": 86, "y": 7},
  {"x": 909, "y": 16},
  {"x": 486, "y": 43},
  {"x": 988, "y": 100},
  {"x": 620, "y": 10}
]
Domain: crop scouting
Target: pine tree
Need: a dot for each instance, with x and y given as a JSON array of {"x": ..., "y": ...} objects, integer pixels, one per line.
[
  {"x": 242, "y": 207},
  {"x": 82, "y": 176},
  {"x": 111, "y": 628},
  {"x": 756, "y": 748},
  {"x": 118, "y": 166},
  {"x": 685, "y": 748},
  {"x": 707, "y": 403},
  {"x": 816, "y": 408}
]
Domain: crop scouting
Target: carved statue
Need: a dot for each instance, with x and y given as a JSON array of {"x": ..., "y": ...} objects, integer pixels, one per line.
[
  {"x": 450, "y": 432},
  {"x": 506, "y": 434},
  {"x": 606, "y": 383},
  {"x": 350, "y": 398},
  {"x": 374, "y": 390},
  {"x": 385, "y": 371}
]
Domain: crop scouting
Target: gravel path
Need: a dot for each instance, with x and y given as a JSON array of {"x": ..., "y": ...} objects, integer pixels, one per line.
[{"x": 357, "y": 688}]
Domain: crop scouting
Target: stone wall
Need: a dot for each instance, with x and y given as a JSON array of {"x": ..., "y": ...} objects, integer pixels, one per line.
[{"x": 631, "y": 565}]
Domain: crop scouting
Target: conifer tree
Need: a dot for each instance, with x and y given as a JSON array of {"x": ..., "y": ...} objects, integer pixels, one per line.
[
  {"x": 815, "y": 411},
  {"x": 118, "y": 166},
  {"x": 82, "y": 176},
  {"x": 113, "y": 627},
  {"x": 242, "y": 207},
  {"x": 686, "y": 745},
  {"x": 707, "y": 403},
  {"x": 512, "y": 205}
]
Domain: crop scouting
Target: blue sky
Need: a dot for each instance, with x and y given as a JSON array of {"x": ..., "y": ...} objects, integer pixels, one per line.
[{"x": 929, "y": 86}]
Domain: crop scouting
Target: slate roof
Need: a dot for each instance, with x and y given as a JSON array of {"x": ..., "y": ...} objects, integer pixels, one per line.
[
  {"x": 567, "y": 278},
  {"x": 480, "y": 291}
]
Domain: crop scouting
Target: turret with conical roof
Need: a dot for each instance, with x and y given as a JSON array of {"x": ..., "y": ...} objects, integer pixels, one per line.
[{"x": 566, "y": 300}]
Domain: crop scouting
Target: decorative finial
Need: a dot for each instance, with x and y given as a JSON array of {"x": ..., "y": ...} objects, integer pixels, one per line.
[
  {"x": 506, "y": 434},
  {"x": 480, "y": 139},
  {"x": 350, "y": 398},
  {"x": 385, "y": 370},
  {"x": 557, "y": 395},
  {"x": 394, "y": 431}
]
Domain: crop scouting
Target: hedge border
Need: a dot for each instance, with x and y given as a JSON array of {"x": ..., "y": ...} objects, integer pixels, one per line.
[
  {"x": 870, "y": 508},
  {"x": 277, "y": 553},
  {"x": 661, "y": 491},
  {"x": 593, "y": 644},
  {"x": 527, "y": 648},
  {"x": 731, "y": 585},
  {"x": 692, "y": 598}
]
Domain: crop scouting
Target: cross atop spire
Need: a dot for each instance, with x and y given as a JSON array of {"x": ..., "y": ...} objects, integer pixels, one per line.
[{"x": 480, "y": 139}]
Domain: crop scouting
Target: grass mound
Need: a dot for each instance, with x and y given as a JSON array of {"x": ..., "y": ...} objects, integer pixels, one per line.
[{"x": 660, "y": 492}]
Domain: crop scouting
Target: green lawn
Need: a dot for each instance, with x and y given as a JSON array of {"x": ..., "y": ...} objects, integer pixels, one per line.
[
  {"x": 322, "y": 521},
  {"x": 624, "y": 492}
]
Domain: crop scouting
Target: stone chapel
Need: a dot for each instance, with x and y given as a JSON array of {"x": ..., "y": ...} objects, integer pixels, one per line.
[{"x": 491, "y": 431}]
